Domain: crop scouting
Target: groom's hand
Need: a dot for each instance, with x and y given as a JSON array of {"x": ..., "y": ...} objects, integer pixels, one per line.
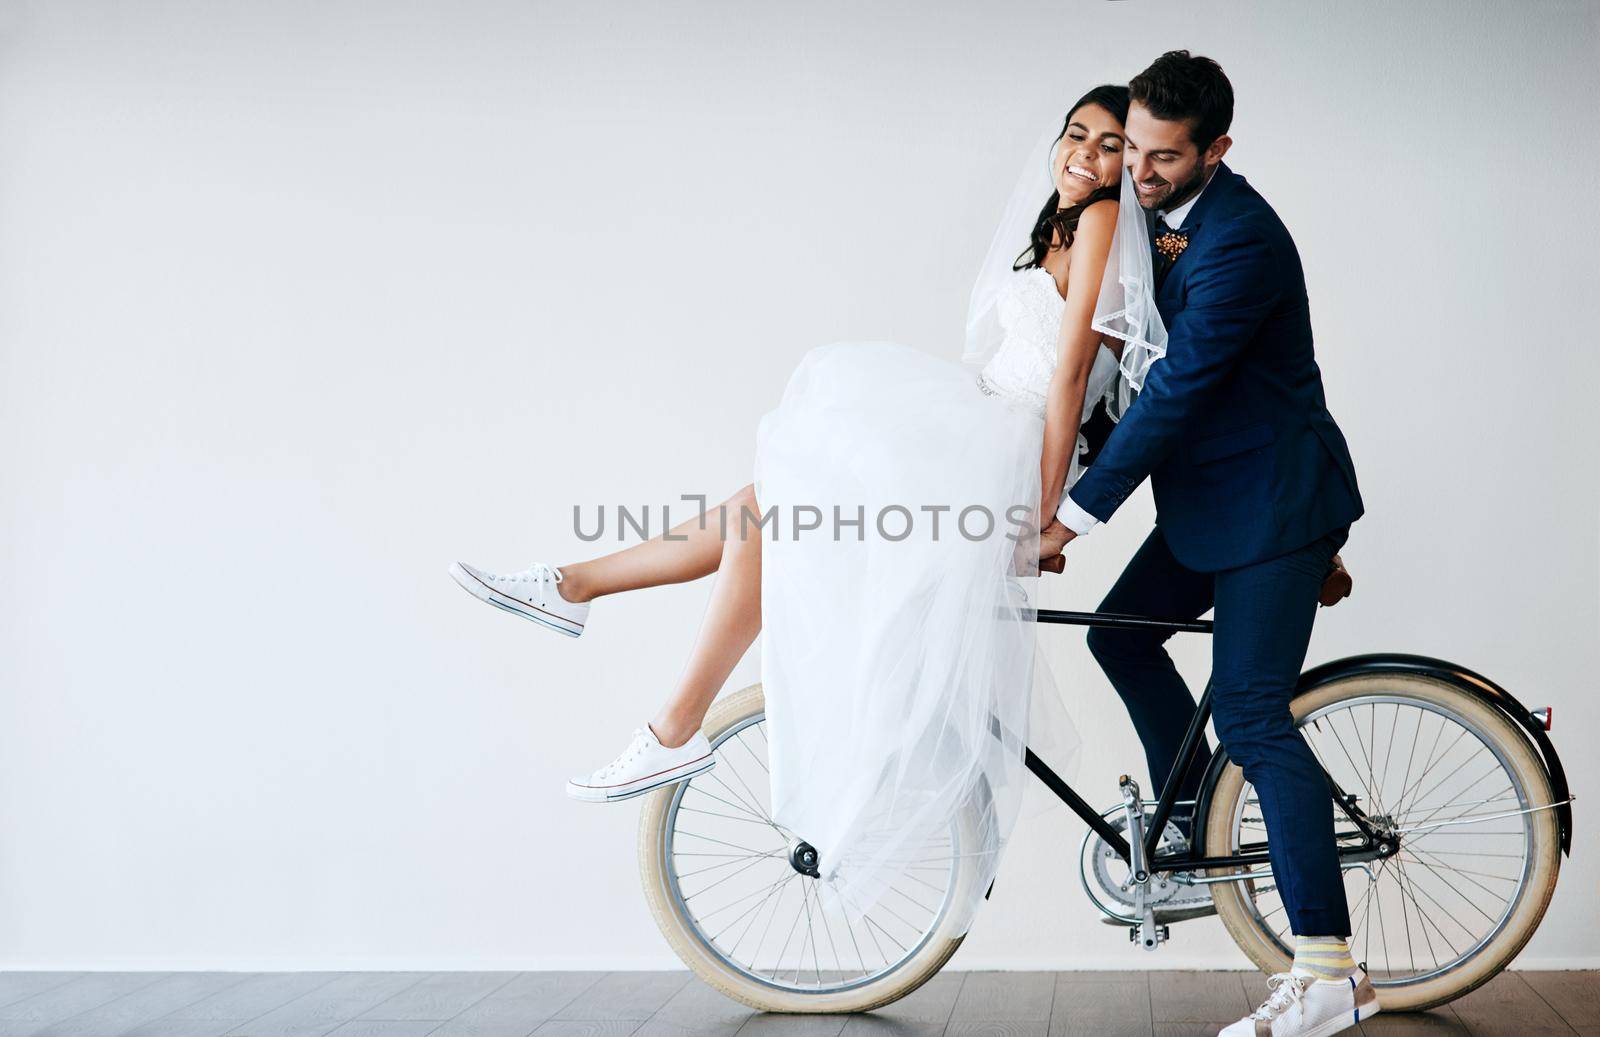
[
  {"x": 1055, "y": 534},
  {"x": 1052, "y": 538}
]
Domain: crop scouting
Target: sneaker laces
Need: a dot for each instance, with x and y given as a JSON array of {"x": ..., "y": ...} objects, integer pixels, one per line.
[
  {"x": 1286, "y": 992},
  {"x": 635, "y": 747},
  {"x": 544, "y": 577}
]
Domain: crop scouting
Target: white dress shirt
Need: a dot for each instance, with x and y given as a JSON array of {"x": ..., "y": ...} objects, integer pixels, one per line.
[{"x": 1072, "y": 516}]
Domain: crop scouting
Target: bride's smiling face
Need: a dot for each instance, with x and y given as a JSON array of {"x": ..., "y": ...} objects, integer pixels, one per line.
[{"x": 1089, "y": 154}]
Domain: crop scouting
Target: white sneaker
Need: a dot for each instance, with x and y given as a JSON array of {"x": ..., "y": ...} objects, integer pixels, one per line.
[
  {"x": 530, "y": 593},
  {"x": 644, "y": 765},
  {"x": 1302, "y": 1006}
]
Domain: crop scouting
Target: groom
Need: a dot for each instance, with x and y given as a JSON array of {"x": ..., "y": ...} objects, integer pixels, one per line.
[{"x": 1254, "y": 492}]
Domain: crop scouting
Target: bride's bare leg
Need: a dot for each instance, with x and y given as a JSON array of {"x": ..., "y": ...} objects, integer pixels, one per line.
[
  {"x": 731, "y": 623},
  {"x": 687, "y": 551}
]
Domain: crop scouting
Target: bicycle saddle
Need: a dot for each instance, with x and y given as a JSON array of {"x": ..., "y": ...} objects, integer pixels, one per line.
[{"x": 1337, "y": 584}]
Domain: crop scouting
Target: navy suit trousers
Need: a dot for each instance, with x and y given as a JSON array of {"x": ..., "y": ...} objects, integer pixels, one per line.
[{"x": 1264, "y": 613}]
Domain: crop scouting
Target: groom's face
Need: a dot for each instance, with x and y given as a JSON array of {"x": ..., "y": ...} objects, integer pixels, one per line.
[{"x": 1167, "y": 167}]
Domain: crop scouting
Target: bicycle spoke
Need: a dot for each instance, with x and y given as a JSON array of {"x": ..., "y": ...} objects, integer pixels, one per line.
[
  {"x": 1383, "y": 778},
  {"x": 762, "y": 818},
  {"x": 792, "y": 927},
  {"x": 1498, "y": 797},
  {"x": 752, "y": 820},
  {"x": 753, "y": 797},
  {"x": 1383, "y": 930},
  {"x": 1461, "y": 733},
  {"x": 811, "y": 936},
  {"x": 1405, "y": 891},
  {"x": 1356, "y": 908},
  {"x": 854, "y": 942},
  {"x": 903, "y": 893},
  {"x": 1493, "y": 769},
  {"x": 755, "y": 858},
  {"x": 775, "y": 888},
  {"x": 1405, "y": 918},
  {"x": 1487, "y": 917},
  {"x": 1429, "y": 764},
  {"x": 734, "y": 846},
  {"x": 752, "y": 752},
  {"x": 867, "y": 924},
  {"x": 1356, "y": 730},
  {"x": 714, "y": 885},
  {"x": 1447, "y": 914},
  {"x": 1372, "y": 781},
  {"x": 1466, "y": 816},
  {"x": 1422, "y": 917},
  {"x": 885, "y": 932},
  {"x": 1411, "y": 755},
  {"x": 1435, "y": 863},
  {"x": 823, "y": 914},
  {"x": 1366, "y": 922},
  {"x": 703, "y": 916}
]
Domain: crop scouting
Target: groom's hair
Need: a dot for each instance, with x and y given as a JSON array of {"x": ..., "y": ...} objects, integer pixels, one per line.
[{"x": 1179, "y": 85}]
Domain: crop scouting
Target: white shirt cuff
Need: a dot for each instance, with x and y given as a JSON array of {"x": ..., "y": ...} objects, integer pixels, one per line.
[{"x": 1074, "y": 517}]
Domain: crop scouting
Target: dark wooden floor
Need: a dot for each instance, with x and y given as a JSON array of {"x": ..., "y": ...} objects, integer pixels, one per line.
[{"x": 673, "y": 1004}]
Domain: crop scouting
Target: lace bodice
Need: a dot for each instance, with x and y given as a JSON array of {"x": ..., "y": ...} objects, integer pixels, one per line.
[{"x": 1030, "y": 310}]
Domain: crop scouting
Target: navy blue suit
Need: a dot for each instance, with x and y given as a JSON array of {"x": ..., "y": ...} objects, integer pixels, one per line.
[{"x": 1254, "y": 491}]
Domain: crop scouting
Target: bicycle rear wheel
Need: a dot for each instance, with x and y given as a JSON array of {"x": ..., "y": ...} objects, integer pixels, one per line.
[
  {"x": 723, "y": 889},
  {"x": 1468, "y": 798}
]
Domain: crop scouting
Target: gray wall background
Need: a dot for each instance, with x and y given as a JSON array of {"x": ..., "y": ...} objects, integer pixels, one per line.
[{"x": 301, "y": 301}]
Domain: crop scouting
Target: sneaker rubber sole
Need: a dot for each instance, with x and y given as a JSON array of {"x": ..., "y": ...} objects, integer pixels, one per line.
[
  {"x": 483, "y": 592},
  {"x": 639, "y": 786}
]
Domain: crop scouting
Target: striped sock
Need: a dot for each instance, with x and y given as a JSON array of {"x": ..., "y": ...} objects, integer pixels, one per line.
[{"x": 1323, "y": 957}]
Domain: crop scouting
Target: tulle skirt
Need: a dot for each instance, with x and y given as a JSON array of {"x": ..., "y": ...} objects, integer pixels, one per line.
[{"x": 898, "y": 589}]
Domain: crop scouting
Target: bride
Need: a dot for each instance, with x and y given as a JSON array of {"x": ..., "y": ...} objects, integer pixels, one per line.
[{"x": 901, "y": 509}]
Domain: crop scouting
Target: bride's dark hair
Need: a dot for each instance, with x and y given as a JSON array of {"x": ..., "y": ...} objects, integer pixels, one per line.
[{"x": 1052, "y": 221}]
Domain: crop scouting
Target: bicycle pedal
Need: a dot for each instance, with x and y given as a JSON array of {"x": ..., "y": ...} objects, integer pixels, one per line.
[{"x": 1155, "y": 937}]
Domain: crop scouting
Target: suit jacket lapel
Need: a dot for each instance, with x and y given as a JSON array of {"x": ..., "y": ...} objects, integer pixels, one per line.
[{"x": 1221, "y": 185}]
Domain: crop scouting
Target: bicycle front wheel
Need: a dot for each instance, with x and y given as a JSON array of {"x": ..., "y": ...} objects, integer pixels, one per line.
[
  {"x": 720, "y": 877},
  {"x": 1469, "y": 801}
]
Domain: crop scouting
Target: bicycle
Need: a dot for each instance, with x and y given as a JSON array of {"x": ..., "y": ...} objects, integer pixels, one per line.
[{"x": 1448, "y": 915}]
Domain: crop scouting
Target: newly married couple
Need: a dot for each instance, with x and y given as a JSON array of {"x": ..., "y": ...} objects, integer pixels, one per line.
[{"x": 1136, "y": 284}]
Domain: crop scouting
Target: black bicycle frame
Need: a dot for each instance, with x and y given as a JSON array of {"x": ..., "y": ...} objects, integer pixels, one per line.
[{"x": 1371, "y": 846}]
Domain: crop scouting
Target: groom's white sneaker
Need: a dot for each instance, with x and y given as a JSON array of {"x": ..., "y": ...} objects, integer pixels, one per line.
[
  {"x": 644, "y": 765},
  {"x": 530, "y": 593},
  {"x": 1301, "y": 1005}
]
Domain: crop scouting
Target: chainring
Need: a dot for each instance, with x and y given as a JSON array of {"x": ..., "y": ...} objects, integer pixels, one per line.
[{"x": 1109, "y": 880}]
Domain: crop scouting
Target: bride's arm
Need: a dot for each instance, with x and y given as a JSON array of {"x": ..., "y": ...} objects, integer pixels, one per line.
[{"x": 1076, "y": 346}]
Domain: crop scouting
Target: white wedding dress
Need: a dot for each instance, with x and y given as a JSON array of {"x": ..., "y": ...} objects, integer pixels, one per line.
[{"x": 898, "y": 651}]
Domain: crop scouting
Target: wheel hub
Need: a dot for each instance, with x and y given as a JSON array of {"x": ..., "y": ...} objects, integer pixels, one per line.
[{"x": 803, "y": 858}]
